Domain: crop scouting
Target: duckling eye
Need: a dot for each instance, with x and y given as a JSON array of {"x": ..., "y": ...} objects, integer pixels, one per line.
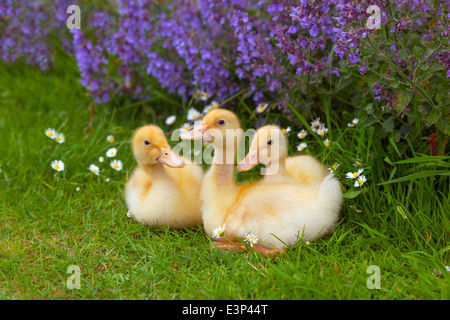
[
  {"x": 221, "y": 122},
  {"x": 269, "y": 143},
  {"x": 146, "y": 142}
]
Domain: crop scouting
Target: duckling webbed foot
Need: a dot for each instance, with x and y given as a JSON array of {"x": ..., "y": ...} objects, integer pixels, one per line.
[
  {"x": 268, "y": 252},
  {"x": 235, "y": 246},
  {"x": 239, "y": 246}
]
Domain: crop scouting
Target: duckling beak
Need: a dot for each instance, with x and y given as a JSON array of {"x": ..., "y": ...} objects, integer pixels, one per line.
[
  {"x": 250, "y": 161},
  {"x": 170, "y": 158},
  {"x": 198, "y": 133}
]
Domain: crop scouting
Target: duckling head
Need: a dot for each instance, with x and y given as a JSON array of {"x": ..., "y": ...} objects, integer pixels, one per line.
[
  {"x": 220, "y": 127},
  {"x": 269, "y": 145},
  {"x": 150, "y": 147}
]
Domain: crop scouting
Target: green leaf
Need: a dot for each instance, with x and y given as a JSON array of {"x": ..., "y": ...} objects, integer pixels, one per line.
[
  {"x": 422, "y": 159},
  {"x": 402, "y": 212},
  {"x": 418, "y": 175},
  {"x": 388, "y": 124},
  {"x": 386, "y": 159},
  {"x": 370, "y": 121},
  {"x": 418, "y": 52},
  {"x": 433, "y": 116},
  {"x": 373, "y": 233},
  {"x": 351, "y": 194},
  {"x": 417, "y": 259},
  {"x": 403, "y": 54},
  {"x": 384, "y": 68},
  {"x": 404, "y": 98},
  {"x": 391, "y": 140},
  {"x": 424, "y": 66}
]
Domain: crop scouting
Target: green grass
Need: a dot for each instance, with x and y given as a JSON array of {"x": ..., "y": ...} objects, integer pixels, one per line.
[{"x": 46, "y": 225}]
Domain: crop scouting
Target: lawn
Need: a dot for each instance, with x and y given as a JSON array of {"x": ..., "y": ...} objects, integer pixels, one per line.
[{"x": 51, "y": 220}]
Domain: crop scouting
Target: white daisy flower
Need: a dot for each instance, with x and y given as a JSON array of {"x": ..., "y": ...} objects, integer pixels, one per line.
[
  {"x": 171, "y": 119},
  {"x": 205, "y": 96},
  {"x": 185, "y": 128},
  {"x": 360, "y": 181},
  {"x": 335, "y": 166},
  {"x": 287, "y": 130},
  {"x": 213, "y": 105},
  {"x": 353, "y": 123},
  {"x": 51, "y": 133},
  {"x": 129, "y": 215},
  {"x": 327, "y": 142},
  {"x": 353, "y": 175},
  {"x": 193, "y": 114},
  {"x": 302, "y": 134},
  {"x": 201, "y": 95},
  {"x": 117, "y": 165},
  {"x": 260, "y": 108},
  {"x": 217, "y": 232},
  {"x": 110, "y": 138},
  {"x": 321, "y": 130},
  {"x": 251, "y": 239},
  {"x": 198, "y": 94},
  {"x": 101, "y": 159},
  {"x": 60, "y": 138},
  {"x": 58, "y": 165},
  {"x": 94, "y": 169},
  {"x": 357, "y": 163},
  {"x": 77, "y": 189},
  {"x": 207, "y": 109},
  {"x": 302, "y": 146},
  {"x": 111, "y": 152},
  {"x": 315, "y": 123}
]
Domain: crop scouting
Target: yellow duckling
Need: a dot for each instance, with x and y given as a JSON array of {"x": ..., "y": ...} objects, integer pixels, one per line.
[
  {"x": 287, "y": 209},
  {"x": 162, "y": 190},
  {"x": 220, "y": 128},
  {"x": 270, "y": 146}
]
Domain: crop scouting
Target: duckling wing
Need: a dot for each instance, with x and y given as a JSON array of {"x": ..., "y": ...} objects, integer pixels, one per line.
[{"x": 306, "y": 169}]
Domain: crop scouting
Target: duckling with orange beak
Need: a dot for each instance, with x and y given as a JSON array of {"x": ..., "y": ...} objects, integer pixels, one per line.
[
  {"x": 221, "y": 128},
  {"x": 164, "y": 188},
  {"x": 270, "y": 147},
  {"x": 284, "y": 210}
]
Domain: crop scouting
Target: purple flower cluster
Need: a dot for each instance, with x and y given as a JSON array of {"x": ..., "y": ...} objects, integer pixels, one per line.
[
  {"x": 191, "y": 40},
  {"x": 444, "y": 59},
  {"x": 350, "y": 31},
  {"x": 305, "y": 36},
  {"x": 7, "y": 8},
  {"x": 216, "y": 46},
  {"x": 25, "y": 33},
  {"x": 91, "y": 63}
]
